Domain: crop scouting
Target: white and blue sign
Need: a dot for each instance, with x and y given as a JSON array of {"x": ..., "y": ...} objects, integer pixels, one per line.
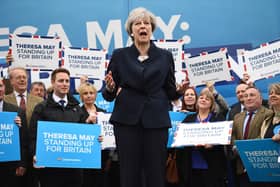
[
  {"x": 9, "y": 137},
  {"x": 260, "y": 158},
  {"x": 68, "y": 145},
  {"x": 102, "y": 103}
]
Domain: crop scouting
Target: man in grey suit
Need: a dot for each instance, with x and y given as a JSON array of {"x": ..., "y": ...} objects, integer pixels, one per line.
[
  {"x": 11, "y": 172},
  {"x": 18, "y": 79},
  {"x": 247, "y": 125}
]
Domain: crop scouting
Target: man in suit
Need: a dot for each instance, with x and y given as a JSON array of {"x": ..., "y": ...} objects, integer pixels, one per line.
[
  {"x": 247, "y": 125},
  {"x": 38, "y": 88},
  {"x": 11, "y": 172},
  {"x": 239, "y": 106},
  {"x": 62, "y": 107},
  {"x": 27, "y": 102},
  {"x": 18, "y": 78}
]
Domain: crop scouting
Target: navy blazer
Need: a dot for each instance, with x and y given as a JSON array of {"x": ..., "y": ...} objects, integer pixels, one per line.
[{"x": 146, "y": 87}]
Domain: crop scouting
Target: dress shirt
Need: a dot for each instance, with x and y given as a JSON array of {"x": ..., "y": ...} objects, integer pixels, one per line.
[
  {"x": 57, "y": 99},
  {"x": 1, "y": 106},
  {"x": 246, "y": 119},
  {"x": 18, "y": 97}
]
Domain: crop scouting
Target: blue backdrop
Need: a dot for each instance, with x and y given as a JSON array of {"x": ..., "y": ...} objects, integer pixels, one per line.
[{"x": 100, "y": 24}]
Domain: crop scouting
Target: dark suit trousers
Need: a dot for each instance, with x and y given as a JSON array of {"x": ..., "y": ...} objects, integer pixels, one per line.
[{"x": 142, "y": 154}]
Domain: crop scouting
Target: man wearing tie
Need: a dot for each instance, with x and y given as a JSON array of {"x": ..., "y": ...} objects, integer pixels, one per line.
[
  {"x": 27, "y": 102},
  {"x": 11, "y": 172},
  {"x": 18, "y": 78},
  {"x": 247, "y": 125},
  {"x": 63, "y": 107}
]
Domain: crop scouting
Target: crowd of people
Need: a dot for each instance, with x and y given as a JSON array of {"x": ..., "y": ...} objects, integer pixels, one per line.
[{"x": 140, "y": 78}]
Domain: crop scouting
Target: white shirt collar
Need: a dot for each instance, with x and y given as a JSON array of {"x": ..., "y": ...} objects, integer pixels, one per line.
[
  {"x": 57, "y": 99},
  {"x": 18, "y": 98},
  {"x": 17, "y": 94},
  {"x": 1, "y": 106}
]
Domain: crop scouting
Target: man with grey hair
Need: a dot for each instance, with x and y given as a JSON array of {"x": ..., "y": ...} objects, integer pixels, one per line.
[
  {"x": 38, "y": 88},
  {"x": 11, "y": 173},
  {"x": 27, "y": 102},
  {"x": 247, "y": 125}
]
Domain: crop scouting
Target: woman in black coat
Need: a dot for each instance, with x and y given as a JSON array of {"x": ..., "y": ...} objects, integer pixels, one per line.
[{"x": 141, "y": 79}]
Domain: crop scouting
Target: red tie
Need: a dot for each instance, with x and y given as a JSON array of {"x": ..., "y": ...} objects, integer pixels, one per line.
[
  {"x": 245, "y": 136},
  {"x": 22, "y": 102}
]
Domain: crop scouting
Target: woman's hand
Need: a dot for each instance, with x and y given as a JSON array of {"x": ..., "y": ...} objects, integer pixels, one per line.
[
  {"x": 110, "y": 83},
  {"x": 92, "y": 118},
  {"x": 276, "y": 138},
  {"x": 180, "y": 88},
  {"x": 34, "y": 163}
]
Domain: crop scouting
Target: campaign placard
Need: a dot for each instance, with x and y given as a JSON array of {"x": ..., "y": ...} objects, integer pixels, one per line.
[
  {"x": 176, "y": 48},
  {"x": 176, "y": 118},
  {"x": 260, "y": 158},
  {"x": 68, "y": 145},
  {"x": 85, "y": 62},
  {"x": 9, "y": 137},
  {"x": 107, "y": 130},
  {"x": 208, "y": 67},
  {"x": 262, "y": 62},
  {"x": 102, "y": 103},
  {"x": 35, "y": 52},
  {"x": 190, "y": 134}
]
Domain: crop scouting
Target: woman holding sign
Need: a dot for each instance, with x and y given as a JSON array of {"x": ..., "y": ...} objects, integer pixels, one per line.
[
  {"x": 141, "y": 79},
  {"x": 92, "y": 177},
  {"x": 203, "y": 165}
]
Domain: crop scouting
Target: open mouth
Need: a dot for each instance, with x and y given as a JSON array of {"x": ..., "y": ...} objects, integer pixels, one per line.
[{"x": 143, "y": 33}]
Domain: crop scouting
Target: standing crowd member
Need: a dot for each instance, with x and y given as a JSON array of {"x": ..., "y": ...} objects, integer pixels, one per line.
[
  {"x": 239, "y": 106},
  {"x": 11, "y": 172},
  {"x": 141, "y": 79},
  {"x": 92, "y": 177},
  {"x": 271, "y": 127},
  {"x": 205, "y": 165},
  {"x": 189, "y": 100},
  {"x": 38, "y": 88},
  {"x": 20, "y": 97},
  {"x": 27, "y": 102},
  {"x": 247, "y": 125},
  {"x": 62, "y": 107}
]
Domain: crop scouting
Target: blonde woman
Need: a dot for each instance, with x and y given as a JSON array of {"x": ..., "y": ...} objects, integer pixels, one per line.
[{"x": 87, "y": 91}]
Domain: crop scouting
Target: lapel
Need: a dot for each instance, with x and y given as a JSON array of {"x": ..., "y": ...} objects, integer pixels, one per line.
[
  {"x": 241, "y": 122},
  {"x": 11, "y": 98},
  {"x": 5, "y": 106},
  {"x": 255, "y": 124}
]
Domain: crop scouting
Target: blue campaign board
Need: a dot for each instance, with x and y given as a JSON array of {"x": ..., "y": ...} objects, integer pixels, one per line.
[
  {"x": 176, "y": 117},
  {"x": 9, "y": 137},
  {"x": 68, "y": 145},
  {"x": 261, "y": 159}
]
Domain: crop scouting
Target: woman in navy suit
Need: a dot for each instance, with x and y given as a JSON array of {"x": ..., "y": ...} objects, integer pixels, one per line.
[{"x": 141, "y": 80}]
